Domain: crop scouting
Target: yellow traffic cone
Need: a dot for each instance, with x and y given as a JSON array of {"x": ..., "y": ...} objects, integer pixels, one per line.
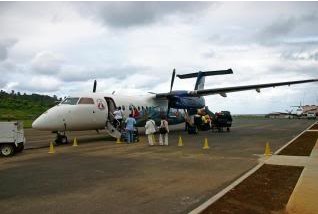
[
  {"x": 206, "y": 144},
  {"x": 180, "y": 143},
  {"x": 118, "y": 141},
  {"x": 51, "y": 150},
  {"x": 267, "y": 150},
  {"x": 75, "y": 142}
]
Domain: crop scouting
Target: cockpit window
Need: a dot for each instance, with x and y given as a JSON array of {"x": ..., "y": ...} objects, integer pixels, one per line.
[
  {"x": 70, "y": 100},
  {"x": 86, "y": 100}
]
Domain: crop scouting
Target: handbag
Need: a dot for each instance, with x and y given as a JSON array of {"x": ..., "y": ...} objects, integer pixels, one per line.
[{"x": 162, "y": 130}]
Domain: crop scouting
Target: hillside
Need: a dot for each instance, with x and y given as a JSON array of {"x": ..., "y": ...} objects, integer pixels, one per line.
[{"x": 16, "y": 106}]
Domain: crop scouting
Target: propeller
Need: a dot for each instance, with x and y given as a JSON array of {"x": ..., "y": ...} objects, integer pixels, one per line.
[
  {"x": 172, "y": 78},
  {"x": 171, "y": 85},
  {"x": 94, "y": 87}
]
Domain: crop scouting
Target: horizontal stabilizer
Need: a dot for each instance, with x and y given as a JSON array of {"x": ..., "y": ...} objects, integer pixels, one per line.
[{"x": 205, "y": 73}]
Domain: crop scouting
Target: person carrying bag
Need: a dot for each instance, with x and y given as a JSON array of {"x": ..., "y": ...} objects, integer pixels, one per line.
[{"x": 163, "y": 132}]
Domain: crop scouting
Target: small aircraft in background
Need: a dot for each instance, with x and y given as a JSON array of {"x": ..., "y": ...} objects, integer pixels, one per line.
[
  {"x": 299, "y": 110},
  {"x": 94, "y": 111}
]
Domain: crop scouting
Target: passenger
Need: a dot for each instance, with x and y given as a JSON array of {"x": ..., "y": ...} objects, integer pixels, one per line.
[
  {"x": 208, "y": 119},
  {"x": 186, "y": 121},
  {"x": 135, "y": 112},
  {"x": 163, "y": 130},
  {"x": 130, "y": 123},
  {"x": 118, "y": 115},
  {"x": 150, "y": 130}
]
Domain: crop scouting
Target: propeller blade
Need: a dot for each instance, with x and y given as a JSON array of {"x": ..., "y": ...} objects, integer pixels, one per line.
[
  {"x": 172, "y": 78},
  {"x": 94, "y": 87}
]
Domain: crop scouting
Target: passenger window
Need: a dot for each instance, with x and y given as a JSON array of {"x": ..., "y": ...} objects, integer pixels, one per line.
[
  {"x": 138, "y": 108},
  {"x": 142, "y": 108},
  {"x": 123, "y": 108},
  {"x": 86, "y": 100},
  {"x": 70, "y": 101},
  {"x": 130, "y": 108}
]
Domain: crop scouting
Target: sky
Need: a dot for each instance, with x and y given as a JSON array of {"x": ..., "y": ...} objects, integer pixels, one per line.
[{"x": 132, "y": 47}]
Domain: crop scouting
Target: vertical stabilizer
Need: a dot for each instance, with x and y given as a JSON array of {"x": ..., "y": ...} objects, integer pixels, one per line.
[{"x": 199, "y": 85}]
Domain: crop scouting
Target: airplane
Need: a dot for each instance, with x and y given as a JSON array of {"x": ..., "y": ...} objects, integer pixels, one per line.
[
  {"x": 299, "y": 110},
  {"x": 94, "y": 111}
]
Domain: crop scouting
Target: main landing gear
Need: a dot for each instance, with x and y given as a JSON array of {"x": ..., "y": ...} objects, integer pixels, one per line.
[{"x": 61, "y": 138}]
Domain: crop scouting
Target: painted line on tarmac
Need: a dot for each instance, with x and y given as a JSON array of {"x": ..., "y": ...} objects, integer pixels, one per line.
[{"x": 220, "y": 194}]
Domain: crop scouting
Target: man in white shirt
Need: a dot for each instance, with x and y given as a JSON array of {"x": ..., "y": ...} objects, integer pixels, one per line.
[
  {"x": 118, "y": 115},
  {"x": 150, "y": 130}
]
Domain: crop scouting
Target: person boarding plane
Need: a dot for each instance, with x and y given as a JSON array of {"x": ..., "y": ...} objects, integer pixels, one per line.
[{"x": 94, "y": 111}]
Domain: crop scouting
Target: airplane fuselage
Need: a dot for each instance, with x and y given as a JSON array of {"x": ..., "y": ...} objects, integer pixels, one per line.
[{"x": 92, "y": 110}]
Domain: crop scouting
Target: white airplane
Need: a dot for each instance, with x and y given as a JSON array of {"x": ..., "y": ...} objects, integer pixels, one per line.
[
  {"x": 94, "y": 111},
  {"x": 299, "y": 110}
]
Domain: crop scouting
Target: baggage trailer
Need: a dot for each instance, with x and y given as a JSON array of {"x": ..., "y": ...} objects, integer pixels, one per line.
[
  {"x": 222, "y": 120},
  {"x": 12, "y": 138}
]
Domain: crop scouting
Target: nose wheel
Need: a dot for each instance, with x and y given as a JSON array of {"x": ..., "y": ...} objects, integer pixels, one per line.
[{"x": 61, "y": 139}]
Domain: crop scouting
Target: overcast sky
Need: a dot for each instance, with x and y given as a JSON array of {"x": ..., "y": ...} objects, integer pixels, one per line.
[{"x": 132, "y": 47}]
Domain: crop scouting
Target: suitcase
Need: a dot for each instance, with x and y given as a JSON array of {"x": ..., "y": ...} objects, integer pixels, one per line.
[{"x": 192, "y": 130}]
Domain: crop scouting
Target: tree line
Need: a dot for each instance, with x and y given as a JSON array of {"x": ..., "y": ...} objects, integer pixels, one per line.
[{"x": 15, "y": 105}]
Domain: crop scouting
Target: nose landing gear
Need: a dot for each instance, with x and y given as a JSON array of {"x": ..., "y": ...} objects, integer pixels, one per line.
[{"x": 61, "y": 138}]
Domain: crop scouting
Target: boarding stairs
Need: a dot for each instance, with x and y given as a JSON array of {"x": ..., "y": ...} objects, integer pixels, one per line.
[{"x": 110, "y": 129}]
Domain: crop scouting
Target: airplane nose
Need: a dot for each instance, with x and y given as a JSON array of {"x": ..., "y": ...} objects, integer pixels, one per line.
[
  {"x": 38, "y": 123},
  {"x": 49, "y": 121}
]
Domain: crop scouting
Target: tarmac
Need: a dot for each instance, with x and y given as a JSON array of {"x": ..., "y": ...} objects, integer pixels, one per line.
[{"x": 101, "y": 176}]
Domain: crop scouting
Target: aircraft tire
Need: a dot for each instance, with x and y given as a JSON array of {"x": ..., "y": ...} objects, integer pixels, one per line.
[
  {"x": 64, "y": 140},
  {"x": 61, "y": 140}
]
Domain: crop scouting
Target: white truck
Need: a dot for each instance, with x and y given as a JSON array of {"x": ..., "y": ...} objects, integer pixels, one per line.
[{"x": 12, "y": 138}]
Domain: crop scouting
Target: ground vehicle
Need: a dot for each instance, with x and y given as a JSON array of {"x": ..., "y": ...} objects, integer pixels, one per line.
[
  {"x": 218, "y": 121},
  {"x": 311, "y": 115},
  {"x": 222, "y": 120},
  {"x": 12, "y": 138}
]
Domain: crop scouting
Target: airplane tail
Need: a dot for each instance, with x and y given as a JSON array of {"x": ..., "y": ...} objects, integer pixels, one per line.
[{"x": 199, "y": 85}]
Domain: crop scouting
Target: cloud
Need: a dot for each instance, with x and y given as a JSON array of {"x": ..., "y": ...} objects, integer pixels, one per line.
[
  {"x": 5, "y": 45},
  {"x": 300, "y": 55},
  {"x": 46, "y": 63},
  {"x": 41, "y": 83},
  {"x": 282, "y": 28},
  {"x": 73, "y": 73},
  {"x": 127, "y": 14}
]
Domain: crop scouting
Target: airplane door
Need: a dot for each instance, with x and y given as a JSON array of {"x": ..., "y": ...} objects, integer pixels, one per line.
[
  {"x": 101, "y": 112},
  {"x": 111, "y": 108}
]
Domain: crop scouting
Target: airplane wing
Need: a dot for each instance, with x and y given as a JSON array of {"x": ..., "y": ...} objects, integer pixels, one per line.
[{"x": 225, "y": 90}]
